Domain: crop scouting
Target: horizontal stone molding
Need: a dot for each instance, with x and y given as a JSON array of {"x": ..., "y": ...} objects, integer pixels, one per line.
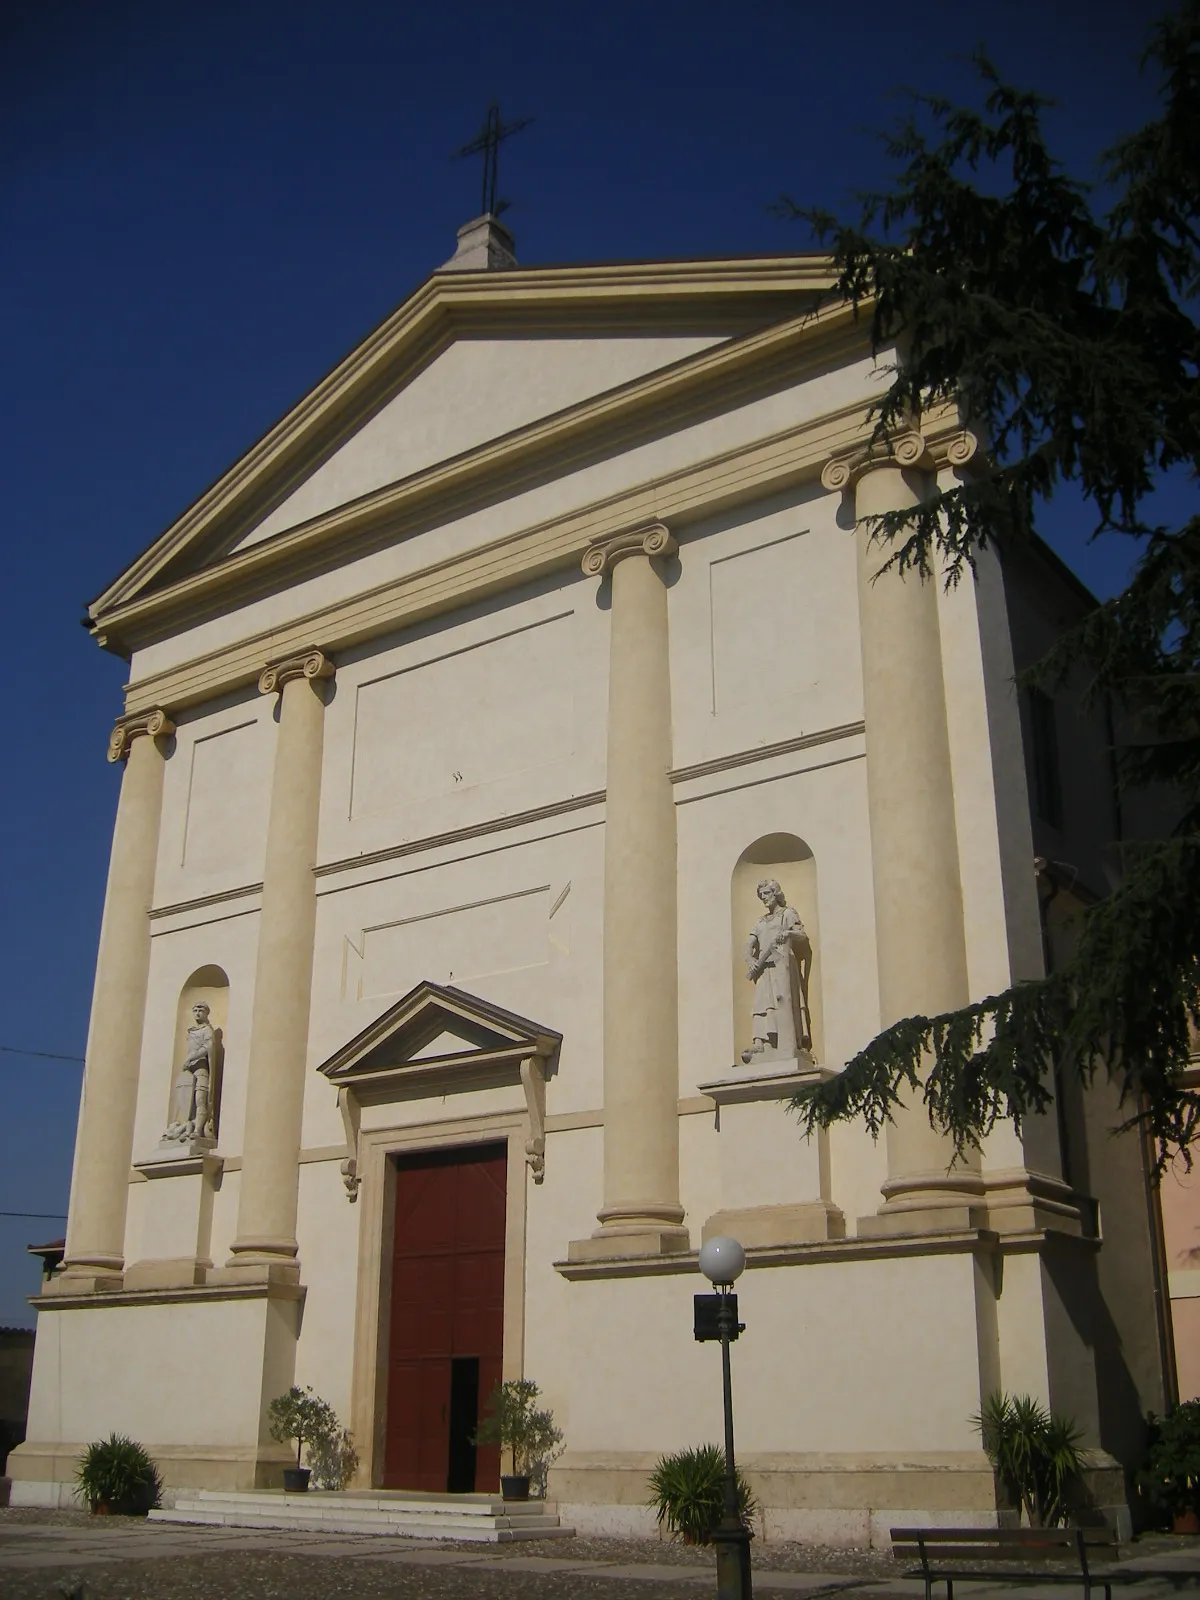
[
  {"x": 957, "y": 1241},
  {"x": 203, "y": 901},
  {"x": 177, "y": 1295},
  {"x": 755, "y": 471},
  {"x": 734, "y": 369},
  {"x": 477, "y": 830},
  {"x": 728, "y": 295},
  {"x": 765, "y": 752},
  {"x": 154, "y": 723}
]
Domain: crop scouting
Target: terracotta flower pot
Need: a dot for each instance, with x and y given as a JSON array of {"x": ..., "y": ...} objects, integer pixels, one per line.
[
  {"x": 1186, "y": 1521},
  {"x": 101, "y": 1508}
]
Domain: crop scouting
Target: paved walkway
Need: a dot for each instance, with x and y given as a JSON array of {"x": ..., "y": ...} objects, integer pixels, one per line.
[{"x": 130, "y": 1560}]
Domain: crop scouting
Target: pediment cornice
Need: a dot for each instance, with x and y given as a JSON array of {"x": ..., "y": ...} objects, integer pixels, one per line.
[
  {"x": 435, "y": 1041},
  {"x": 191, "y": 568}
]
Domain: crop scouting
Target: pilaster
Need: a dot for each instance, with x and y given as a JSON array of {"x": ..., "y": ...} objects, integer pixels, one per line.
[
  {"x": 99, "y": 1189},
  {"x": 266, "y": 1233},
  {"x": 641, "y": 1214}
]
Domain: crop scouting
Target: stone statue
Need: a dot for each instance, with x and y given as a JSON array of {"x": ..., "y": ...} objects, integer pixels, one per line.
[
  {"x": 778, "y": 962},
  {"x": 192, "y": 1109}
]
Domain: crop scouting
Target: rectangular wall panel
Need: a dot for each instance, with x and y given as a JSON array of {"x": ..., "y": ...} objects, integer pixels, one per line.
[
  {"x": 228, "y": 797},
  {"x": 469, "y": 718},
  {"x": 452, "y": 946},
  {"x": 763, "y": 638}
]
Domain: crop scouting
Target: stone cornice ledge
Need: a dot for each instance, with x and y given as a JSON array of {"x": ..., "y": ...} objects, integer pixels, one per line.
[
  {"x": 868, "y": 1248},
  {"x": 173, "y": 1296}
]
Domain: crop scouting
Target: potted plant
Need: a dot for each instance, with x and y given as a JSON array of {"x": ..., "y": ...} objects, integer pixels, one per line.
[
  {"x": 116, "y": 1477},
  {"x": 1034, "y": 1453},
  {"x": 303, "y": 1416},
  {"x": 333, "y": 1458},
  {"x": 514, "y": 1422},
  {"x": 687, "y": 1490},
  {"x": 1169, "y": 1477}
]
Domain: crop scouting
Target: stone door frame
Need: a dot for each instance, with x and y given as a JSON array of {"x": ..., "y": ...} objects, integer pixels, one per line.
[{"x": 377, "y": 1202}]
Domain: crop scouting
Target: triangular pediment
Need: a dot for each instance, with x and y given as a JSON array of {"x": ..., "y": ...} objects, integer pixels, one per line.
[
  {"x": 520, "y": 364},
  {"x": 436, "y": 1040}
]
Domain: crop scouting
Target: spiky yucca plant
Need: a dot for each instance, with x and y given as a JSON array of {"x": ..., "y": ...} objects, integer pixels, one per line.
[
  {"x": 118, "y": 1474},
  {"x": 686, "y": 1490},
  {"x": 1034, "y": 1453}
]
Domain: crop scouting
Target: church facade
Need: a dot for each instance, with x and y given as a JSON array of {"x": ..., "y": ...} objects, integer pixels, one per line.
[{"x": 525, "y": 789}]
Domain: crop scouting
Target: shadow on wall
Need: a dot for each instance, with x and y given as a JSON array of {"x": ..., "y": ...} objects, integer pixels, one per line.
[{"x": 16, "y": 1365}]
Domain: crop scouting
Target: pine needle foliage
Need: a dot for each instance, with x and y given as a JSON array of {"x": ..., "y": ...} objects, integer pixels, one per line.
[{"x": 1067, "y": 336}]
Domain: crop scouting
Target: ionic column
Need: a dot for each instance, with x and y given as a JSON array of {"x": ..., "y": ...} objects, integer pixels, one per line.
[
  {"x": 641, "y": 1214},
  {"x": 104, "y": 1147},
  {"x": 921, "y": 949},
  {"x": 266, "y": 1233}
]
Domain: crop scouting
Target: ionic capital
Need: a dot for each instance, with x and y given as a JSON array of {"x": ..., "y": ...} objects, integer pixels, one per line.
[
  {"x": 907, "y": 449},
  {"x": 311, "y": 663},
  {"x": 652, "y": 539},
  {"x": 944, "y": 447},
  {"x": 154, "y": 724}
]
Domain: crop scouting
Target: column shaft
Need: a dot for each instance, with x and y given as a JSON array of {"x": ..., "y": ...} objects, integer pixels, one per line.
[
  {"x": 283, "y": 977},
  {"x": 104, "y": 1148},
  {"x": 914, "y": 851},
  {"x": 641, "y": 1213}
]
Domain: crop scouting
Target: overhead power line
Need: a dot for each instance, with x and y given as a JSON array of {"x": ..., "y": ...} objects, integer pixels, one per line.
[
  {"x": 43, "y": 1055},
  {"x": 39, "y": 1216}
]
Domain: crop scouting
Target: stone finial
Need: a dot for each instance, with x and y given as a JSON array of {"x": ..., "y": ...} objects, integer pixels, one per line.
[
  {"x": 311, "y": 663},
  {"x": 484, "y": 245},
  {"x": 652, "y": 539},
  {"x": 155, "y": 724}
]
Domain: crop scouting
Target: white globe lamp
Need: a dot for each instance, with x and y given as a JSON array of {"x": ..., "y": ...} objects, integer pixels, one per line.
[{"x": 722, "y": 1260}]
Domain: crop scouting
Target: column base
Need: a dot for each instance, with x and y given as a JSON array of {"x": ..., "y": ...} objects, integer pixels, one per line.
[
  {"x": 261, "y": 1272},
  {"x": 85, "y": 1279},
  {"x": 260, "y": 1252},
  {"x": 929, "y": 1202},
  {"x": 633, "y": 1229},
  {"x": 651, "y": 1241}
]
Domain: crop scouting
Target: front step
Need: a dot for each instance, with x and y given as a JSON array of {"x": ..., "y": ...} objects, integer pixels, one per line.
[{"x": 487, "y": 1519}]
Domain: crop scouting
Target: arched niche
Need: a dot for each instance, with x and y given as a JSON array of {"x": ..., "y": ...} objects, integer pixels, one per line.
[
  {"x": 789, "y": 859},
  {"x": 211, "y": 985}
]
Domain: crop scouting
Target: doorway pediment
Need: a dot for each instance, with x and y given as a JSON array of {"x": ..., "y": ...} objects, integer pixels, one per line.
[
  {"x": 439, "y": 1040},
  {"x": 435, "y": 1041}
]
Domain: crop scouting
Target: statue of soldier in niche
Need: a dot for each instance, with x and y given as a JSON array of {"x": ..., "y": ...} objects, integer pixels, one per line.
[
  {"x": 778, "y": 963},
  {"x": 192, "y": 1109}
]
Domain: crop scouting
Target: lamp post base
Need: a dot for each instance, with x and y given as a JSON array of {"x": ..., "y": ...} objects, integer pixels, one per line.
[{"x": 732, "y": 1541}]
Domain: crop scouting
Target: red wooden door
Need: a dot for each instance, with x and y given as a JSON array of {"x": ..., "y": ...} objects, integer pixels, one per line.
[{"x": 447, "y": 1305}]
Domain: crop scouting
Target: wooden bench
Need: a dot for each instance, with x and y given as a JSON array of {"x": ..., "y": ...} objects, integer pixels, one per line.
[{"x": 1008, "y": 1555}]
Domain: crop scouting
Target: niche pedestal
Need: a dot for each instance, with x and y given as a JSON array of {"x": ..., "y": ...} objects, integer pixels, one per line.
[
  {"x": 774, "y": 1181},
  {"x": 177, "y": 1227}
]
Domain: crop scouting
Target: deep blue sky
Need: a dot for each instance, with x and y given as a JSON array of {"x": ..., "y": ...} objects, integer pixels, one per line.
[{"x": 206, "y": 203}]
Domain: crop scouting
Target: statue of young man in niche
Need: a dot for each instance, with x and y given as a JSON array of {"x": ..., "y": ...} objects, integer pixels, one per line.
[
  {"x": 778, "y": 963},
  {"x": 192, "y": 1094}
]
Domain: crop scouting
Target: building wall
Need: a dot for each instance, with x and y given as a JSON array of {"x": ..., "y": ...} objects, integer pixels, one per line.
[{"x": 461, "y": 841}]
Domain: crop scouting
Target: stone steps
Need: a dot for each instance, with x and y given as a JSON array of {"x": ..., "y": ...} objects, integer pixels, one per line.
[{"x": 487, "y": 1519}]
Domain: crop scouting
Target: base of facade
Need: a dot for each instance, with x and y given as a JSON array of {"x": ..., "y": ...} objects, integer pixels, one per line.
[
  {"x": 43, "y": 1474},
  {"x": 611, "y": 1244},
  {"x": 821, "y": 1499}
]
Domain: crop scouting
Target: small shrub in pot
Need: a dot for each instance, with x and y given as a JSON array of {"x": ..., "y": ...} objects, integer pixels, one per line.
[
  {"x": 1169, "y": 1477},
  {"x": 514, "y": 1422},
  {"x": 303, "y": 1416}
]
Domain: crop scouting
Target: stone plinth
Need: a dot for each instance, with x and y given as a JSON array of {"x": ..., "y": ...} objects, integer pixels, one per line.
[
  {"x": 177, "y": 1226},
  {"x": 774, "y": 1180}
]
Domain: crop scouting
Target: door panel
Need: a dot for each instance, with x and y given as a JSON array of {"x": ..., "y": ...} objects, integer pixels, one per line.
[{"x": 447, "y": 1306}]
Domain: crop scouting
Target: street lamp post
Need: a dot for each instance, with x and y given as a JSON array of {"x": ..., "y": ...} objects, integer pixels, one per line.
[{"x": 722, "y": 1261}]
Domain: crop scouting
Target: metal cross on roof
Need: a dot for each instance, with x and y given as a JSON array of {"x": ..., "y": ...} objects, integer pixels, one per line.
[{"x": 488, "y": 141}]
